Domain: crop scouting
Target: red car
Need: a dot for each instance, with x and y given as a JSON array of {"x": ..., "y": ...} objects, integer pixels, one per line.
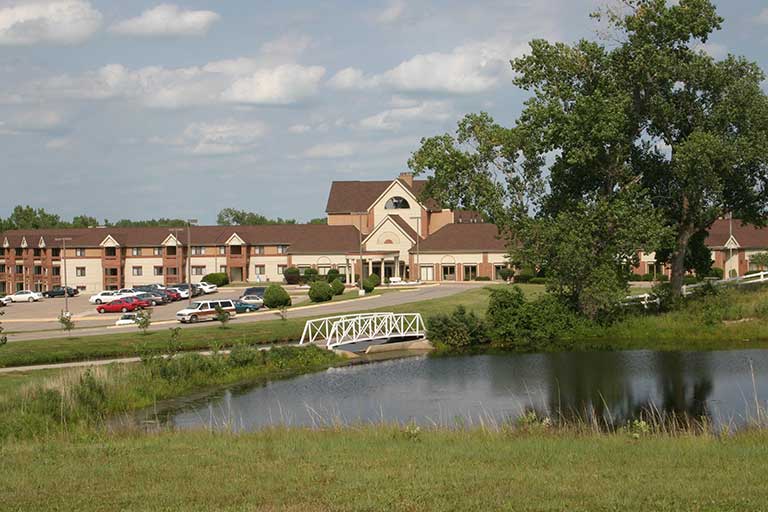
[
  {"x": 118, "y": 306},
  {"x": 140, "y": 303}
]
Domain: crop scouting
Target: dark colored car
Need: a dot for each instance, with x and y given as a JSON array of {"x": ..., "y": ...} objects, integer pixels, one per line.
[
  {"x": 196, "y": 289},
  {"x": 255, "y": 290},
  {"x": 152, "y": 299},
  {"x": 243, "y": 307},
  {"x": 118, "y": 306},
  {"x": 60, "y": 291}
]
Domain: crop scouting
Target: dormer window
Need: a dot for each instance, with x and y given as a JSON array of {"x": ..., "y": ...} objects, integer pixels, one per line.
[{"x": 397, "y": 203}]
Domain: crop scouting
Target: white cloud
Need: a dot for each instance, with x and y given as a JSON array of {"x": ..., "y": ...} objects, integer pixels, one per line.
[
  {"x": 331, "y": 150},
  {"x": 167, "y": 20},
  {"x": 763, "y": 16},
  {"x": 283, "y": 85},
  {"x": 392, "y": 119},
  {"x": 470, "y": 68},
  {"x": 393, "y": 12},
  {"x": 299, "y": 128},
  {"x": 58, "y": 144},
  {"x": 220, "y": 138},
  {"x": 32, "y": 121},
  {"x": 286, "y": 47},
  {"x": 48, "y": 22}
]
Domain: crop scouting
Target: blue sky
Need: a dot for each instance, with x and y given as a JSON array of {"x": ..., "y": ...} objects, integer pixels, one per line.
[{"x": 139, "y": 109}]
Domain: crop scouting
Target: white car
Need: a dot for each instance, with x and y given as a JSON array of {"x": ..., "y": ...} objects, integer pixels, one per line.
[
  {"x": 252, "y": 299},
  {"x": 126, "y": 319},
  {"x": 25, "y": 296},
  {"x": 127, "y": 292},
  {"x": 183, "y": 293},
  {"x": 202, "y": 310},
  {"x": 5, "y": 301},
  {"x": 208, "y": 287},
  {"x": 103, "y": 297}
]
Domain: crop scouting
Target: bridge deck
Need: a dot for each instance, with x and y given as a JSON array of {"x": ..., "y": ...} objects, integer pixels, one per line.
[{"x": 363, "y": 329}]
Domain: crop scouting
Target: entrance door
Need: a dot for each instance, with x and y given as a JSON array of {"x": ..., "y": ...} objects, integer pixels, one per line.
[
  {"x": 237, "y": 274},
  {"x": 427, "y": 273}
]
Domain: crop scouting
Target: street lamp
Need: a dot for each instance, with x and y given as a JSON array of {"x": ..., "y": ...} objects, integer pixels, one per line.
[
  {"x": 361, "y": 292},
  {"x": 190, "y": 222},
  {"x": 64, "y": 241},
  {"x": 418, "y": 237}
]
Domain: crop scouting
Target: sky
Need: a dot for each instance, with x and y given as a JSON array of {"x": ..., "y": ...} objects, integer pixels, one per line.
[{"x": 140, "y": 109}]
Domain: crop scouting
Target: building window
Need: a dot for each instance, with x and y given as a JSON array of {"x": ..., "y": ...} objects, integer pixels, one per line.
[
  {"x": 259, "y": 270},
  {"x": 282, "y": 249},
  {"x": 111, "y": 272},
  {"x": 80, "y": 271},
  {"x": 258, "y": 249},
  {"x": 396, "y": 203},
  {"x": 470, "y": 272},
  {"x": 170, "y": 250},
  {"x": 427, "y": 273},
  {"x": 110, "y": 251},
  {"x": 198, "y": 251},
  {"x": 323, "y": 269},
  {"x": 38, "y": 270},
  {"x": 222, "y": 269},
  {"x": 222, "y": 250},
  {"x": 56, "y": 253},
  {"x": 19, "y": 269},
  {"x": 37, "y": 252},
  {"x": 281, "y": 269},
  {"x": 2, "y": 268},
  {"x": 449, "y": 272},
  {"x": 18, "y": 252},
  {"x": 172, "y": 271},
  {"x": 136, "y": 251},
  {"x": 137, "y": 271},
  {"x": 235, "y": 249},
  {"x": 157, "y": 251},
  {"x": 158, "y": 271},
  {"x": 198, "y": 271},
  {"x": 80, "y": 253}
]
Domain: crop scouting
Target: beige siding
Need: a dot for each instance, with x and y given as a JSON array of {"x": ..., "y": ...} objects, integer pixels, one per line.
[
  {"x": 379, "y": 212},
  {"x": 93, "y": 280}
]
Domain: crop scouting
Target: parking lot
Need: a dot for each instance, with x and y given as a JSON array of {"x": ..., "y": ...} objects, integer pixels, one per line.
[{"x": 43, "y": 315}]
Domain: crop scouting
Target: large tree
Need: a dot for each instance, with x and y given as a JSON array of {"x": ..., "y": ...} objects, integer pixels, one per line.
[
  {"x": 650, "y": 113},
  {"x": 235, "y": 217}
]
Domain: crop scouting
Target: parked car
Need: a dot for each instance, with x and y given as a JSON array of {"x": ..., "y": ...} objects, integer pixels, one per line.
[
  {"x": 194, "y": 289},
  {"x": 208, "y": 287},
  {"x": 102, "y": 297},
  {"x": 5, "y": 301},
  {"x": 25, "y": 296},
  {"x": 118, "y": 306},
  {"x": 254, "y": 300},
  {"x": 60, "y": 291},
  {"x": 127, "y": 292},
  {"x": 205, "y": 310},
  {"x": 183, "y": 292},
  {"x": 140, "y": 303},
  {"x": 244, "y": 307},
  {"x": 170, "y": 294},
  {"x": 126, "y": 319},
  {"x": 255, "y": 290},
  {"x": 152, "y": 299}
]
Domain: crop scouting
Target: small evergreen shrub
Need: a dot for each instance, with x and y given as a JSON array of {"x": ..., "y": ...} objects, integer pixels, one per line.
[
  {"x": 523, "y": 277},
  {"x": 506, "y": 273},
  {"x": 457, "y": 329},
  {"x": 368, "y": 285},
  {"x": 337, "y": 286},
  {"x": 291, "y": 275},
  {"x": 320, "y": 291},
  {"x": 310, "y": 275},
  {"x": 375, "y": 279},
  {"x": 716, "y": 272},
  {"x": 482, "y": 278},
  {"x": 218, "y": 278},
  {"x": 332, "y": 275},
  {"x": 275, "y": 297}
]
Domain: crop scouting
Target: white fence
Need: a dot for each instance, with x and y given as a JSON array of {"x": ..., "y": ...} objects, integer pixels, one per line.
[
  {"x": 346, "y": 329},
  {"x": 647, "y": 299}
]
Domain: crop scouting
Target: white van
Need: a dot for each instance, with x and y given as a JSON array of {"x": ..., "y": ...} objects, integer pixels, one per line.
[{"x": 205, "y": 310}]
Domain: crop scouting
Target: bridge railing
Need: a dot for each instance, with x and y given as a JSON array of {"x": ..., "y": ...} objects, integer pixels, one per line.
[{"x": 345, "y": 329}]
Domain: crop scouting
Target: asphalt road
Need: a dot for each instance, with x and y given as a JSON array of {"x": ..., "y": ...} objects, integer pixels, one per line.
[{"x": 38, "y": 320}]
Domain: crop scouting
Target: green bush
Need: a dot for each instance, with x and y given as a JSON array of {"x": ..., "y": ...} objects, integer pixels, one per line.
[
  {"x": 310, "y": 275},
  {"x": 275, "y": 297},
  {"x": 716, "y": 272},
  {"x": 523, "y": 277},
  {"x": 368, "y": 285},
  {"x": 332, "y": 275},
  {"x": 538, "y": 280},
  {"x": 337, "y": 286},
  {"x": 506, "y": 273},
  {"x": 375, "y": 279},
  {"x": 219, "y": 279},
  {"x": 320, "y": 291},
  {"x": 482, "y": 278},
  {"x": 242, "y": 355},
  {"x": 690, "y": 279},
  {"x": 528, "y": 325},
  {"x": 457, "y": 329},
  {"x": 292, "y": 275}
]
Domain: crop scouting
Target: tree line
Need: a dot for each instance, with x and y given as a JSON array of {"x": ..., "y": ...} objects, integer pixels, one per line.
[
  {"x": 636, "y": 141},
  {"x": 27, "y": 217}
]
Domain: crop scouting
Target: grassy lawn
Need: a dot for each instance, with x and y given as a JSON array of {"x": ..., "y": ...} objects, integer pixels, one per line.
[{"x": 385, "y": 469}]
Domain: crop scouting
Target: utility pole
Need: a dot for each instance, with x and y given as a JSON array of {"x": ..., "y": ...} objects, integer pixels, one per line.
[
  {"x": 64, "y": 241},
  {"x": 361, "y": 291},
  {"x": 189, "y": 255},
  {"x": 418, "y": 237}
]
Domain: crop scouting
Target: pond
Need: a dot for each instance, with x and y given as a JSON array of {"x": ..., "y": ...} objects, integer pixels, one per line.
[{"x": 725, "y": 387}]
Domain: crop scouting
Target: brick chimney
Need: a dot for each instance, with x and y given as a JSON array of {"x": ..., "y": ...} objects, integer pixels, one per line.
[{"x": 407, "y": 177}]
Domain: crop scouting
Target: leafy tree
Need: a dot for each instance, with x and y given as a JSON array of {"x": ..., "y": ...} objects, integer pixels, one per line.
[
  {"x": 3, "y": 337},
  {"x": 66, "y": 322},
  {"x": 144, "y": 321},
  {"x": 26, "y": 217},
  {"x": 84, "y": 221},
  {"x": 234, "y": 217},
  {"x": 222, "y": 316},
  {"x": 760, "y": 259},
  {"x": 149, "y": 223},
  {"x": 319, "y": 220}
]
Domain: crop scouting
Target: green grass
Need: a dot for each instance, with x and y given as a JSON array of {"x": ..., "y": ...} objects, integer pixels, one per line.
[{"x": 377, "y": 469}]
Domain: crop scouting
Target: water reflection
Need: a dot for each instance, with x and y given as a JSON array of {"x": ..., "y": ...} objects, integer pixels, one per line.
[{"x": 612, "y": 386}]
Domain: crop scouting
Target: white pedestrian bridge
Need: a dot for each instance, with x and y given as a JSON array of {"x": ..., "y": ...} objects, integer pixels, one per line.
[{"x": 356, "y": 332}]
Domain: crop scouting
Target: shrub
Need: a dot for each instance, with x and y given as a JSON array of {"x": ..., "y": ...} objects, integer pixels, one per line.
[
  {"x": 3, "y": 337},
  {"x": 523, "y": 277},
  {"x": 375, "y": 279},
  {"x": 275, "y": 297},
  {"x": 690, "y": 279},
  {"x": 222, "y": 316},
  {"x": 144, "y": 321},
  {"x": 528, "y": 325},
  {"x": 218, "y": 278},
  {"x": 538, "y": 280},
  {"x": 66, "y": 322},
  {"x": 506, "y": 273},
  {"x": 337, "y": 286},
  {"x": 292, "y": 275},
  {"x": 716, "y": 272},
  {"x": 243, "y": 355},
  {"x": 457, "y": 329},
  {"x": 368, "y": 285},
  {"x": 320, "y": 291},
  {"x": 332, "y": 275},
  {"x": 482, "y": 278},
  {"x": 310, "y": 275}
]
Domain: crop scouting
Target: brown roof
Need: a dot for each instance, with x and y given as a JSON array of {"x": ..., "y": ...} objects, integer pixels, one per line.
[
  {"x": 464, "y": 238},
  {"x": 467, "y": 217},
  {"x": 404, "y": 226},
  {"x": 358, "y": 196},
  {"x": 747, "y": 236}
]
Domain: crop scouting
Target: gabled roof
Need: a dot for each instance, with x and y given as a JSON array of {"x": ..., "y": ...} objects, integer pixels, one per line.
[
  {"x": 464, "y": 238},
  {"x": 358, "y": 196},
  {"x": 399, "y": 223},
  {"x": 745, "y": 236}
]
